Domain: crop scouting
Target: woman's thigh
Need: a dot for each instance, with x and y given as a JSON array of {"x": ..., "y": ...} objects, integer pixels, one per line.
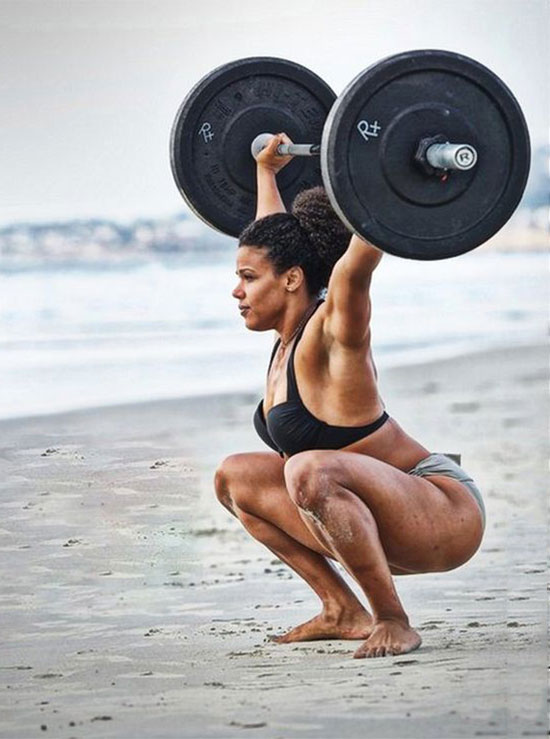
[
  {"x": 424, "y": 524},
  {"x": 254, "y": 483}
]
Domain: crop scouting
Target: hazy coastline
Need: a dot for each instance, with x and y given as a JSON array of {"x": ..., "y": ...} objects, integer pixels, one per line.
[{"x": 106, "y": 243}]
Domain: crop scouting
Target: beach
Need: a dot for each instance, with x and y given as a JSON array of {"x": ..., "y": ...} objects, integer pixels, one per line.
[{"x": 134, "y": 605}]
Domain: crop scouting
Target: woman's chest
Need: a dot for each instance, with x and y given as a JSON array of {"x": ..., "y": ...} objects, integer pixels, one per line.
[
  {"x": 282, "y": 380},
  {"x": 276, "y": 383}
]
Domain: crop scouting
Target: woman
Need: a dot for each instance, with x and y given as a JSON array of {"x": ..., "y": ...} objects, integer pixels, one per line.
[{"x": 344, "y": 481}]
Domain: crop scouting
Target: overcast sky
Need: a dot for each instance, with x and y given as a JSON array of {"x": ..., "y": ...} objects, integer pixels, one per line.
[{"x": 90, "y": 87}]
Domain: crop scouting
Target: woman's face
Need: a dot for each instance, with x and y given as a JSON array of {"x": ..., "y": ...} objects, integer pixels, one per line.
[{"x": 260, "y": 292}]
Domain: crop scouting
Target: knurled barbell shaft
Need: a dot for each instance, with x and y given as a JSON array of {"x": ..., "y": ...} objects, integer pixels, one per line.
[
  {"x": 299, "y": 150},
  {"x": 295, "y": 150},
  {"x": 440, "y": 156}
]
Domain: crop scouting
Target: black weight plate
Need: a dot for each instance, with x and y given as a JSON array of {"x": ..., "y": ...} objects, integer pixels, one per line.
[
  {"x": 378, "y": 189},
  {"x": 215, "y": 125}
]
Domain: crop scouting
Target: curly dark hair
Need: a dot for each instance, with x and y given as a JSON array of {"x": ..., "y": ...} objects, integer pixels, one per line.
[{"x": 311, "y": 236}]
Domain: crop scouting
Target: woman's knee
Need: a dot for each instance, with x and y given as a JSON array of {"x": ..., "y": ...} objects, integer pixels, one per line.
[
  {"x": 232, "y": 480},
  {"x": 311, "y": 477},
  {"x": 318, "y": 476},
  {"x": 224, "y": 478}
]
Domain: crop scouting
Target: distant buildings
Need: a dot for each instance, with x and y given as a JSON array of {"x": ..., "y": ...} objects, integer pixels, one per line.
[{"x": 98, "y": 241}]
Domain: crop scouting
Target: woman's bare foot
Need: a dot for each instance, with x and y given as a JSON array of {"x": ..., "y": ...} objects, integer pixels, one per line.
[
  {"x": 389, "y": 637},
  {"x": 356, "y": 625}
]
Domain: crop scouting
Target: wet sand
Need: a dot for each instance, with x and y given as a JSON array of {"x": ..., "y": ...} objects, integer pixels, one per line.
[{"x": 133, "y": 605}]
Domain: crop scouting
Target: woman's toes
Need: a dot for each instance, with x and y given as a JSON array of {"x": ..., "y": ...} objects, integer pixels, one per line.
[{"x": 387, "y": 639}]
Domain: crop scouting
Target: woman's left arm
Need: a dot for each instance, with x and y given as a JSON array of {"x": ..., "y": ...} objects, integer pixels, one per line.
[{"x": 348, "y": 307}]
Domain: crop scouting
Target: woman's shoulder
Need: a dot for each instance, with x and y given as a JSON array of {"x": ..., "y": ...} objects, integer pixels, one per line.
[{"x": 319, "y": 351}]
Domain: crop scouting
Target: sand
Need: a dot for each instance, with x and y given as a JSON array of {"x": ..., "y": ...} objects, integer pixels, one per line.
[{"x": 133, "y": 605}]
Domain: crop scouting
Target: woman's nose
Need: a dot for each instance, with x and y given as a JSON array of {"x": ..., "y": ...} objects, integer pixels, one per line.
[{"x": 238, "y": 292}]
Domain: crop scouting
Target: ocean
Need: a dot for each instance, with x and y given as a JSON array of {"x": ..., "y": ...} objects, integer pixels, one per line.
[{"x": 79, "y": 337}]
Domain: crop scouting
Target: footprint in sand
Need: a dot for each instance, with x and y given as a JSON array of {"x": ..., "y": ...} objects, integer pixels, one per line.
[
  {"x": 63, "y": 452},
  {"x": 429, "y": 388},
  {"x": 152, "y": 632},
  {"x": 511, "y": 422},
  {"x": 241, "y": 725},
  {"x": 172, "y": 464},
  {"x": 159, "y": 463},
  {"x": 464, "y": 407}
]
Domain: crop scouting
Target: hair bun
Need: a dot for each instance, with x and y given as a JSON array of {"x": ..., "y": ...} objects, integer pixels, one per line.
[{"x": 316, "y": 216}]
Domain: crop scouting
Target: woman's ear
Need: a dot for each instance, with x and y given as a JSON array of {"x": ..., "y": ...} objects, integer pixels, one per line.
[{"x": 294, "y": 278}]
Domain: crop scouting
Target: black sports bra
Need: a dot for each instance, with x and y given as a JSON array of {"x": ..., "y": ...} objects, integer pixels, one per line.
[{"x": 291, "y": 428}]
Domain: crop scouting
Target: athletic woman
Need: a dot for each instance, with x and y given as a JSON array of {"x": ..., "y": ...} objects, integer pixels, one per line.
[{"x": 344, "y": 481}]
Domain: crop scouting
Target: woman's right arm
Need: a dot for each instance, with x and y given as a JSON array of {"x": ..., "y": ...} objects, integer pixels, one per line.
[
  {"x": 348, "y": 305},
  {"x": 268, "y": 163}
]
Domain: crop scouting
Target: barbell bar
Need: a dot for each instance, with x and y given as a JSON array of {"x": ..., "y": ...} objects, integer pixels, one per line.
[{"x": 439, "y": 156}]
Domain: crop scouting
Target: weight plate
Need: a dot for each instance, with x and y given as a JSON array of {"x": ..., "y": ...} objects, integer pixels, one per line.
[
  {"x": 215, "y": 125},
  {"x": 371, "y": 137}
]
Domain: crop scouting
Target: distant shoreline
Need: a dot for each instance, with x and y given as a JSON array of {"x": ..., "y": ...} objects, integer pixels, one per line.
[
  {"x": 534, "y": 241},
  {"x": 105, "y": 242}
]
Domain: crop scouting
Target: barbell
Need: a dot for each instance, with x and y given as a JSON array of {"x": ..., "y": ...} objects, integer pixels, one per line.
[{"x": 425, "y": 154}]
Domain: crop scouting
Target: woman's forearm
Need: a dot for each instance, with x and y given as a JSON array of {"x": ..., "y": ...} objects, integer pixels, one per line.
[
  {"x": 365, "y": 255},
  {"x": 269, "y": 198}
]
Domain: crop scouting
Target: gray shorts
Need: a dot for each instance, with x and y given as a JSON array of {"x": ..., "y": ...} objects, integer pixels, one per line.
[{"x": 440, "y": 464}]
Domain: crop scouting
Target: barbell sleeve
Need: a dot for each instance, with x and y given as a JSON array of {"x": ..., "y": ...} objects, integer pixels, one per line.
[{"x": 451, "y": 156}]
